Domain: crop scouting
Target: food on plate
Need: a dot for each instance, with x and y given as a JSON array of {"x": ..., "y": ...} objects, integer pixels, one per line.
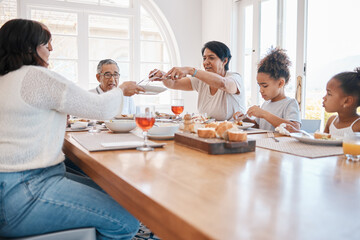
[
  {"x": 236, "y": 135},
  {"x": 239, "y": 123},
  {"x": 127, "y": 116},
  {"x": 221, "y": 129},
  {"x": 164, "y": 115},
  {"x": 206, "y": 132},
  {"x": 74, "y": 120},
  {"x": 324, "y": 136}
]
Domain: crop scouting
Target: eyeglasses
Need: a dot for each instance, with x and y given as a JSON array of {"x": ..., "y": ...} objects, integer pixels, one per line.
[{"x": 109, "y": 75}]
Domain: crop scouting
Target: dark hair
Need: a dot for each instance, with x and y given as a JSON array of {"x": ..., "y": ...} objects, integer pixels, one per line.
[
  {"x": 19, "y": 39},
  {"x": 220, "y": 49},
  {"x": 350, "y": 83},
  {"x": 276, "y": 63}
]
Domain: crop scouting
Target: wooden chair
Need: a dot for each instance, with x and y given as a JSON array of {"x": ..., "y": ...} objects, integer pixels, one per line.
[{"x": 310, "y": 125}]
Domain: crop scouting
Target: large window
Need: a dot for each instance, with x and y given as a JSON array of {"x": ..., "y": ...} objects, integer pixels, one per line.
[
  {"x": 332, "y": 47},
  {"x": 319, "y": 47},
  {"x": 85, "y": 32}
]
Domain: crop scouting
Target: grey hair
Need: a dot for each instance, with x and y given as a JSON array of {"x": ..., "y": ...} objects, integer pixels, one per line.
[{"x": 105, "y": 62}]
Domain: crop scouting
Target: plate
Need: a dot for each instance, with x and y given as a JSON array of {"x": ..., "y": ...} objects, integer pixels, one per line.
[
  {"x": 305, "y": 139},
  {"x": 161, "y": 137},
  {"x": 246, "y": 125},
  {"x": 152, "y": 90}
]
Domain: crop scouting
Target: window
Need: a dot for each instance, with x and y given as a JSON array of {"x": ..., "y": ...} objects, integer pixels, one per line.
[
  {"x": 333, "y": 49},
  {"x": 319, "y": 47},
  {"x": 257, "y": 34},
  {"x": 85, "y": 32},
  {"x": 8, "y": 10}
]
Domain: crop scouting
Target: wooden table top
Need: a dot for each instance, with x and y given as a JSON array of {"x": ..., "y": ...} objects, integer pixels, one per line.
[{"x": 180, "y": 193}]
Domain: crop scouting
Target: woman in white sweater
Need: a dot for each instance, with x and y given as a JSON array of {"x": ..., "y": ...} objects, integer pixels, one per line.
[{"x": 36, "y": 194}]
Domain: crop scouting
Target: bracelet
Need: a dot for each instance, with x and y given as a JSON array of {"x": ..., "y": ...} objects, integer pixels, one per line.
[{"x": 194, "y": 73}]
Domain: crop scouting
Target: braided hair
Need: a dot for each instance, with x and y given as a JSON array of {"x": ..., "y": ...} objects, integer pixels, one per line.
[
  {"x": 350, "y": 83},
  {"x": 276, "y": 63}
]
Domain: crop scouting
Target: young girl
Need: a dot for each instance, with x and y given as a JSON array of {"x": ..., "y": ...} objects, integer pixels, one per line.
[
  {"x": 343, "y": 96},
  {"x": 273, "y": 75}
]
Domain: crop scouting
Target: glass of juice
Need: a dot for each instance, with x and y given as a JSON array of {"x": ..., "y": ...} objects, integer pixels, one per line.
[
  {"x": 145, "y": 119},
  {"x": 351, "y": 146},
  {"x": 177, "y": 106}
]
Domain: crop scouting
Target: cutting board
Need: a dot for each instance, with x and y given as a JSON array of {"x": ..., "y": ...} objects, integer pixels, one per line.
[{"x": 214, "y": 145}]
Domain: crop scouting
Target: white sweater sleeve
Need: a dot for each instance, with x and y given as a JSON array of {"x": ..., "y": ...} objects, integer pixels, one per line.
[{"x": 42, "y": 88}]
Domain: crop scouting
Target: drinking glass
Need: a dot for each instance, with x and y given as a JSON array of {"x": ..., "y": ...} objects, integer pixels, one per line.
[
  {"x": 351, "y": 146},
  {"x": 145, "y": 119},
  {"x": 177, "y": 106}
]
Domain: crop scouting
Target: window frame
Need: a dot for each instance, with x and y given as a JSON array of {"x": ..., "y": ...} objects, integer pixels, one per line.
[
  {"x": 134, "y": 15},
  {"x": 301, "y": 33}
]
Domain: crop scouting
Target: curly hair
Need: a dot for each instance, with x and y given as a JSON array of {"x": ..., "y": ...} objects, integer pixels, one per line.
[
  {"x": 350, "y": 83},
  {"x": 276, "y": 63},
  {"x": 19, "y": 39}
]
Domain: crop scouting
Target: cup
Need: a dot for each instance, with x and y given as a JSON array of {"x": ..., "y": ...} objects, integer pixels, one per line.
[
  {"x": 177, "y": 106},
  {"x": 351, "y": 146}
]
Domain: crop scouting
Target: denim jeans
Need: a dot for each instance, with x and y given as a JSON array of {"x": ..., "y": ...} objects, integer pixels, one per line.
[{"x": 46, "y": 200}]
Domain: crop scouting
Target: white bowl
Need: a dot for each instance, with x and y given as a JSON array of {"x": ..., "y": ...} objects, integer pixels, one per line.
[
  {"x": 121, "y": 126},
  {"x": 164, "y": 129},
  {"x": 79, "y": 125}
]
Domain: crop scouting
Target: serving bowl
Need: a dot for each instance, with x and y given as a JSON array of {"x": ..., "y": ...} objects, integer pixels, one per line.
[
  {"x": 164, "y": 129},
  {"x": 120, "y": 126}
]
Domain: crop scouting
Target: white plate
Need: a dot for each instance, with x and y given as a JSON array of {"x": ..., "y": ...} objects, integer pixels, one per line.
[
  {"x": 161, "y": 137},
  {"x": 246, "y": 125},
  {"x": 152, "y": 90},
  {"x": 305, "y": 139}
]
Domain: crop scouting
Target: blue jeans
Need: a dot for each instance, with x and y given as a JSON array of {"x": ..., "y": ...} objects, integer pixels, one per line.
[{"x": 46, "y": 200}]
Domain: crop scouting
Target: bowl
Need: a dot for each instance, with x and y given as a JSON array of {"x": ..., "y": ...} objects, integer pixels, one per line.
[
  {"x": 164, "y": 129},
  {"x": 121, "y": 126},
  {"x": 79, "y": 125}
]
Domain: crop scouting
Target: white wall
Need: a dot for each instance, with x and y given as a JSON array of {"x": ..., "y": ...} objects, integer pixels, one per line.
[
  {"x": 184, "y": 17},
  {"x": 216, "y": 20},
  {"x": 195, "y": 22}
]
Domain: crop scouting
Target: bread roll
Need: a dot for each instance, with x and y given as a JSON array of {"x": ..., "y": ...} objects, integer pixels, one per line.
[
  {"x": 206, "y": 132},
  {"x": 222, "y": 128},
  {"x": 212, "y": 125},
  {"x": 319, "y": 135},
  {"x": 237, "y": 135}
]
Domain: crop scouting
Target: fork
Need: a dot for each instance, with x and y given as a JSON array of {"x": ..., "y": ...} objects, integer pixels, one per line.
[
  {"x": 271, "y": 135},
  {"x": 148, "y": 79}
]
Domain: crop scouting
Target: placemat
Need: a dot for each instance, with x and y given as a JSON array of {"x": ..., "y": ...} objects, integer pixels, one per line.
[
  {"x": 110, "y": 141},
  {"x": 293, "y": 146}
]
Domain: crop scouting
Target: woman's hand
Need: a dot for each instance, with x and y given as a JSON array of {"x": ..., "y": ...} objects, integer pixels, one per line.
[
  {"x": 178, "y": 72},
  {"x": 130, "y": 88},
  {"x": 157, "y": 75},
  {"x": 256, "y": 111}
]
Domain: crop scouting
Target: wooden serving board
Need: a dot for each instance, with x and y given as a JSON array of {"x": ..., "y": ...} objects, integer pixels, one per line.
[{"x": 214, "y": 145}]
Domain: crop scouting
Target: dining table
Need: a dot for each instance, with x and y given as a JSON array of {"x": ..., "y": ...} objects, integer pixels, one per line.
[{"x": 182, "y": 193}]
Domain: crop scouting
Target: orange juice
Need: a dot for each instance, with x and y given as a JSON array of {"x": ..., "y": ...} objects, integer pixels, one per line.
[{"x": 351, "y": 148}]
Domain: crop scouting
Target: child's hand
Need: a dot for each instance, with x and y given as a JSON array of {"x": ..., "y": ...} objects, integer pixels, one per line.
[
  {"x": 291, "y": 128},
  {"x": 256, "y": 111},
  {"x": 238, "y": 115}
]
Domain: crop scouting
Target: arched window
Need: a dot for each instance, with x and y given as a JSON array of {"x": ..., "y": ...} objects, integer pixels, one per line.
[{"x": 132, "y": 32}]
